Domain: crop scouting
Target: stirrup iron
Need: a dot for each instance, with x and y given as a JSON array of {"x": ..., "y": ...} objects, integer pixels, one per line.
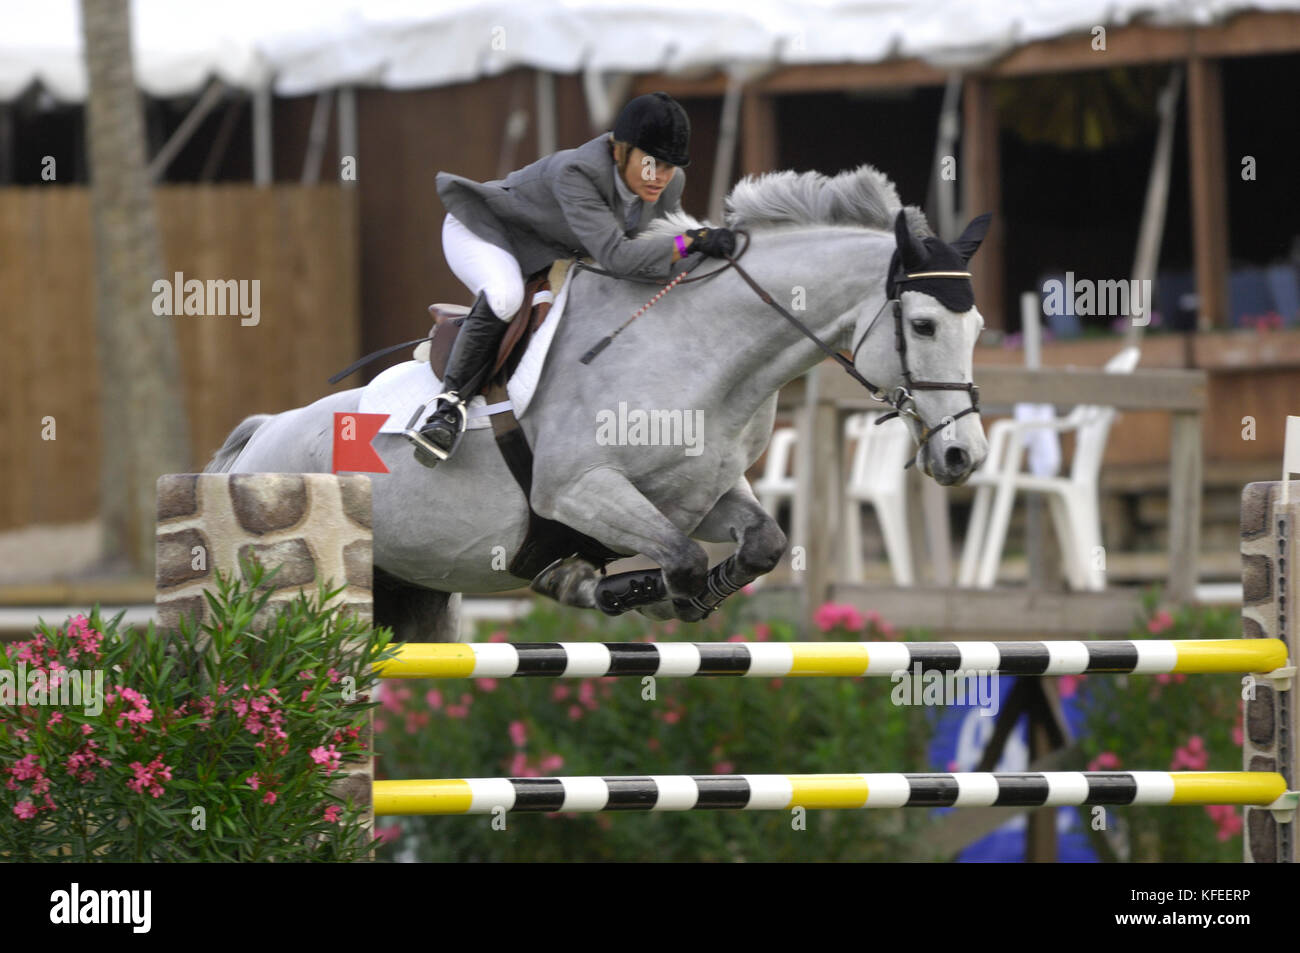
[{"x": 412, "y": 430}]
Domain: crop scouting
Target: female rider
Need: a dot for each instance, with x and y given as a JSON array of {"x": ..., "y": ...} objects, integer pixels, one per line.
[{"x": 590, "y": 201}]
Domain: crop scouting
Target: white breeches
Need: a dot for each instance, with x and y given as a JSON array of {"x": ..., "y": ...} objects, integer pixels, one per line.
[{"x": 483, "y": 268}]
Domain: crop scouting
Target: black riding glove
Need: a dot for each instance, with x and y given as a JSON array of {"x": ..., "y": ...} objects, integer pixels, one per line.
[{"x": 714, "y": 242}]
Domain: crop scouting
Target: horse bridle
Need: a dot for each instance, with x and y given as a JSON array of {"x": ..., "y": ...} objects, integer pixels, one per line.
[{"x": 900, "y": 398}]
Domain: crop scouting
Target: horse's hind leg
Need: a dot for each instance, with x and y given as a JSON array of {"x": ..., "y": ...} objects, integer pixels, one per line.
[
  {"x": 570, "y": 581},
  {"x": 415, "y": 614},
  {"x": 606, "y": 506}
]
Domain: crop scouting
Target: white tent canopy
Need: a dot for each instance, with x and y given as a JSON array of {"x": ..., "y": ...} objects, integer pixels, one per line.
[{"x": 305, "y": 46}]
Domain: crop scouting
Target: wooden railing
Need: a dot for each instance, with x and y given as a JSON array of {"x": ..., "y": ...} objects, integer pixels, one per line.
[{"x": 826, "y": 395}]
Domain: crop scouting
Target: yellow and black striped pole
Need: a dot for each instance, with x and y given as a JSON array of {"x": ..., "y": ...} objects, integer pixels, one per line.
[
  {"x": 756, "y": 792},
  {"x": 797, "y": 659}
]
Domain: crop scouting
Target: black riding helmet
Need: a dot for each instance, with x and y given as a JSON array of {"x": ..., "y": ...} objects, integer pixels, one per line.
[{"x": 657, "y": 125}]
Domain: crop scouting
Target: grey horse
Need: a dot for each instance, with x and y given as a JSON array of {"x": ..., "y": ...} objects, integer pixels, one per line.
[{"x": 712, "y": 350}]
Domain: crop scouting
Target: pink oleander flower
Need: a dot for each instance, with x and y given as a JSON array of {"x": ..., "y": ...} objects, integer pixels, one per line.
[
  {"x": 330, "y": 757},
  {"x": 486, "y": 684},
  {"x": 270, "y": 797},
  {"x": 552, "y": 762},
  {"x": 723, "y": 767},
  {"x": 1227, "y": 820},
  {"x": 1106, "y": 761},
  {"x": 560, "y": 692},
  {"x": 433, "y": 698},
  {"x": 332, "y": 813},
  {"x": 747, "y": 589},
  {"x": 832, "y": 614},
  {"x": 499, "y": 636},
  {"x": 148, "y": 778},
  {"x": 575, "y": 712},
  {"x": 393, "y": 697},
  {"x": 1069, "y": 685},
  {"x": 518, "y": 734},
  {"x": 587, "y": 694},
  {"x": 738, "y": 637},
  {"x": 762, "y": 632},
  {"x": 25, "y": 810},
  {"x": 25, "y": 768},
  {"x": 388, "y": 834},
  {"x": 1192, "y": 757},
  {"x": 457, "y": 711},
  {"x": 672, "y": 717},
  {"x": 1159, "y": 622}
]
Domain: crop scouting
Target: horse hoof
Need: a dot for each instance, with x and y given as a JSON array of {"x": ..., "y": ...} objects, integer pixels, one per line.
[{"x": 570, "y": 581}]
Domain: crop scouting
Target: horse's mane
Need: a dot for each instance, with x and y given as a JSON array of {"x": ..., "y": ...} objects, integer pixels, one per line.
[{"x": 863, "y": 198}]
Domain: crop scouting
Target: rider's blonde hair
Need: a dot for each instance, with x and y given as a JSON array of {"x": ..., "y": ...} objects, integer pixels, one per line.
[{"x": 622, "y": 152}]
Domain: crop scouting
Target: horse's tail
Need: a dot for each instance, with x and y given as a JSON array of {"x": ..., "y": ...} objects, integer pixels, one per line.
[{"x": 224, "y": 458}]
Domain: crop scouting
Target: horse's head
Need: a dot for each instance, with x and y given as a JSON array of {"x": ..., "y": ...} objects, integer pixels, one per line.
[{"x": 924, "y": 362}]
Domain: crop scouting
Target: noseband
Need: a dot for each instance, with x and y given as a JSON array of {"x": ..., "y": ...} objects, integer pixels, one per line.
[{"x": 901, "y": 397}]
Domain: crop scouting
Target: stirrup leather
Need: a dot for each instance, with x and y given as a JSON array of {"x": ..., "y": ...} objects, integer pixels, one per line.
[{"x": 412, "y": 431}]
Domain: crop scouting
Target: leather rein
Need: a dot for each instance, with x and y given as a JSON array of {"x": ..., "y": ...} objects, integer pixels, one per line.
[{"x": 900, "y": 398}]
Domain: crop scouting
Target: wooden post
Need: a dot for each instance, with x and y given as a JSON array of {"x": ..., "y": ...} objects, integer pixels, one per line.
[
  {"x": 1209, "y": 191},
  {"x": 818, "y": 503},
  {"x": 758, "y": 132},
  {"x": 1185, "y": 482},
  {"x": 979, "y": 173}
]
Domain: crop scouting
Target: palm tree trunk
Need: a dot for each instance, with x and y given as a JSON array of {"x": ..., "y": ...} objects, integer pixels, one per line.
[{"x": 145, "y": 428}]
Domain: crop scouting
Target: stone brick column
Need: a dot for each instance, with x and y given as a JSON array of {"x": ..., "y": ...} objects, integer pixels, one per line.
[
  {"x": 1271, "y": 588},
  {"x": 316, "y": 526}
]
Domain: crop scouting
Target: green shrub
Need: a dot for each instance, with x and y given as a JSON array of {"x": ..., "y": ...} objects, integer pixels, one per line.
[{"x": 211, "y": 744}]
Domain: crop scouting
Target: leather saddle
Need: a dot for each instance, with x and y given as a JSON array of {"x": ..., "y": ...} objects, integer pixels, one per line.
[{"x": 447, "y": 320}]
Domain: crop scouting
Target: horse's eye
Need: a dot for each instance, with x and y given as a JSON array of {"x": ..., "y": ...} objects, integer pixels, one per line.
[{"x": 923, "y": 327}]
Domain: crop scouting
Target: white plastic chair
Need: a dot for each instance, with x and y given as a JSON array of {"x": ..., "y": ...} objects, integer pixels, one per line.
[
  {"x": 1072, "y": 500},
  {"x": 877, "y": 478}
]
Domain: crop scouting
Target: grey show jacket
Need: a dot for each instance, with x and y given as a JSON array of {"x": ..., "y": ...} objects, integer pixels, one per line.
[{"x": 563, "y": 205}]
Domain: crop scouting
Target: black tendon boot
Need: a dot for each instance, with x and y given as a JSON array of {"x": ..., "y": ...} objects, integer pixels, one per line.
[
  {"x": 471, "y": 357},
  {"x": 627, "y": 590}
]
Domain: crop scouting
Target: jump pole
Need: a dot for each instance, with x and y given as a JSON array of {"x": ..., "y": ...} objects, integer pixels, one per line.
[
  {"x": 808, "y": 659},
  {"x": 758, "y": 792}
]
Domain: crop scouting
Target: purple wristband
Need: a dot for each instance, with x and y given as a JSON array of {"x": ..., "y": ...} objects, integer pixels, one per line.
[{"x": 681, "y": 246}]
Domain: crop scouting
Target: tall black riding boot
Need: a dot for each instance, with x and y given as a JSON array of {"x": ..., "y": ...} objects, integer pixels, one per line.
[{"x": 471, "y": 358}]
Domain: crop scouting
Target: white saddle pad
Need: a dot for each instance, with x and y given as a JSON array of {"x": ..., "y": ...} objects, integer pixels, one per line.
[{"x": 403, "y": 388}]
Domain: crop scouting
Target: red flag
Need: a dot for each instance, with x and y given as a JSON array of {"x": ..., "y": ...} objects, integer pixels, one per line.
[{"x": 352, "y": 449}]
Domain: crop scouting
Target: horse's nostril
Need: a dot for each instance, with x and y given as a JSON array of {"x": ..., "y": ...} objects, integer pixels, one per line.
[{"x": 956, "y": 458}]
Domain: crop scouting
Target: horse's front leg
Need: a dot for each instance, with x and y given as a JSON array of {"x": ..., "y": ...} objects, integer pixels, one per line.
[
  {"x": 738, "y": 516},
  {"x": 605, "y": 505}
]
